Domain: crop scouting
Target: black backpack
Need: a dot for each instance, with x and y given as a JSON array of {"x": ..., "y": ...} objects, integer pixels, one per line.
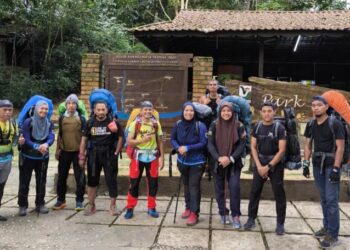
[{"x": 292, "y": 157}]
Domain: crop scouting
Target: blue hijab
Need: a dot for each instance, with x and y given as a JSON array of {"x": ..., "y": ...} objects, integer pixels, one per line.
[
  {"x": 40, "y": 125},
  {"x": 186, "y": 129}
]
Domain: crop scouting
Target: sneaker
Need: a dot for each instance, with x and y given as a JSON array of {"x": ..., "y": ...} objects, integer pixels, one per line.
[
  {"x": 129, "y": 213},
  {"x": 79, "y": 206},
  {"x": 192, "y": 219},
  {"x": 42, "y": 209},
  {"x": 236, "y": 224},
  {"x": 2, "y": 218},
  {"x": 90, "y": 209},
  {"x": 153, "y": 212},
  {"x": 280, "y": 229},
  {"x": 186, "y": 214},
  {"x": 250, "y": 224},
  {"x": 320, "y": 233},
  {"x": 225, "y": 219},
  {"x": 22, "y": 211},
  {"x": 329, "y": 242},
  {"x": 59, "y": 205}
]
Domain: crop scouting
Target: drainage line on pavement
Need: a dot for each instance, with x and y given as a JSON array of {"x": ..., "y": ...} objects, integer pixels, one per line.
[
  {"x": 161, "y": 223},
  {"x": 210, "y": 224},
  {"x": 117, "y": 216},
  {"x": 263, "y": 235}
]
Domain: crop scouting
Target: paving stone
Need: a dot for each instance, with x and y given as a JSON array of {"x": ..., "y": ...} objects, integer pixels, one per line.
[
  {"x": 244, "y": 207},
  {"x": 292, "y": 225},
  {"x": 7, "y": 198},
  {"x": 225, "y": 240},
  {"x": 205, "y": 206},
  {"x": 183, "y": 237},
  {"x": 344, "y": 244},
  {"x": 345, "y": 207},
  {"x": 69, "y": 201},
  {"x": 344, "y": 230},
  {"x": 312, "y": 210},
  {"x": 100, "y": 217},
  {"x": 215, "y": 223},
  {"x": 31, "y": 201},
  {"x": 140, "y": 218},
  {"x": 291, "y": 242},
  {"x": 179, "y": 222},
  {"x": 142, "y": 206}
]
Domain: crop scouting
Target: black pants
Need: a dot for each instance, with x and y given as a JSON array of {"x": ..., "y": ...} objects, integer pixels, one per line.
[
  {"x": 25, "y": 175},
  {"x": 233, "y": 174},
  {"x": 103, "y": 157},
  {"x": 191, "y": 177},
  {"x": 65, "y": 161},
  {"x": 276, "y": 179},
  {"x": 2, "y": 187}
]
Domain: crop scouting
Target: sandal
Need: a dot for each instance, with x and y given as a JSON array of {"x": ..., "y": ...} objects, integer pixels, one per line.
[
  {"x": 90, "y": 210},
  {"x": 113, "y": 210}
]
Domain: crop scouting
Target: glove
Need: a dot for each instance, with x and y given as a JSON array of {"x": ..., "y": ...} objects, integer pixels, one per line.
[
  {"x": 334, "y": 177},
  {"x": 306, "y": 171}
]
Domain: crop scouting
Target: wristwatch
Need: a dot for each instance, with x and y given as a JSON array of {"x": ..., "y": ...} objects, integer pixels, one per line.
[{"x": 269, "y": 166}]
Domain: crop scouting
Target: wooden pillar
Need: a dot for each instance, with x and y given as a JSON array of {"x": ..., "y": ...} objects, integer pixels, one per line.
[{"x": 261, "y": 59}]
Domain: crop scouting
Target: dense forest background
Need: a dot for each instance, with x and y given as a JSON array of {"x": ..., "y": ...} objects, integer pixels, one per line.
[{"x": 55, "y": 34}]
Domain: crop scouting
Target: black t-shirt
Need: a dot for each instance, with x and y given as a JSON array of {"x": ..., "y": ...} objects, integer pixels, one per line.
[
  {"x": 99, "y": 133},
  {"x": 323, "y": 136},
  {"x": 267, "y": 142}
]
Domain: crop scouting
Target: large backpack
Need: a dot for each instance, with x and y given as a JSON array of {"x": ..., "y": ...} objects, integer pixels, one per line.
[
  {"x": 333, "y": 115},
  {"x": 81, "y": 109},
  {"x": 203, "y": 113},
  {"x": 135, "y": 116},
  {"x": 28, "y": 109},
  {"x": 242, "y": 111},
  {"x": 292, "y": 157}
]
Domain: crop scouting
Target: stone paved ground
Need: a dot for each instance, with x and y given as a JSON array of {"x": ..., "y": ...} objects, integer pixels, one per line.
[{"x": 68, "y": 229}]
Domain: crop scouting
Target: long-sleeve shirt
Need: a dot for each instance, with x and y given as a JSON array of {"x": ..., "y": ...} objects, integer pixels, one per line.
[
  {"x": 195, "y": 153},
  {"x": 30, "y": 148}
]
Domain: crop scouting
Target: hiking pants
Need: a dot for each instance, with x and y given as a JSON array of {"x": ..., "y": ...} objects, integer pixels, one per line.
[
  {"x": 191, "y": 177},
  {"x": 25, "y": 175},
  {"x": 329, "y": 194},
  {"x": 233, "y": 190},
  {"x": 64, "y": 162},
  {"x": 276, "y": 179},
  {"x": 5, "y": 169},
  {"x": 103, "y": 157},
  {"x": 135, "y": 174}
]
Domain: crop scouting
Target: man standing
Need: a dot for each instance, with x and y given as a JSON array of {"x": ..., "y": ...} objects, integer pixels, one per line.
[
  {"x": 212, "y": 99},
  {"x": 70, "y": 128},
  {"x": 102, "y": 142},
  {"x": 268, "y": 145},
  {"x": 8, "y": 133},
  {"x": 145, "y": 137},
  {"x": 328, "y": 136}
]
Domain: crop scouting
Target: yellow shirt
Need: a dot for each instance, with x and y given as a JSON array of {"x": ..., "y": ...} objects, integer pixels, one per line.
[
  {"x": 5, "y": 126},
  {"x": 146, "y": 128}
]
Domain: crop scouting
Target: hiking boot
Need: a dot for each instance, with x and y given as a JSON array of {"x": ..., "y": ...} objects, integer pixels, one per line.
[
  {"x": 225, "y": 220},
  {"x": 320, "y": 233},
  {"x": 129, "y": 213},
  {"x": 153, "y": 212},
  {"x": 59, "y": 205},
  {"x": 42, "y": 209},
  {"x": 90, "y": 210},
  {"x": 186, "y": 214},
  {"x": 329, "y": 242},
  {"x": 236, "y": 224},
  {"x": 250, "y": 224},
  {"x": 2, "y": 218},
  {"x": 79, "y": 206},
  {"x": 192, "y": 219},
  {"x": 280, "y": 229},
  {"x": 22, "y": 211}
]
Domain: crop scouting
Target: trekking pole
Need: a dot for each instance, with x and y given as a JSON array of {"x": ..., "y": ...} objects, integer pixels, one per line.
[
  {"x": 170, "y": 165},
  {"x": 177, "y": 198},
  {"x": 225, "y": 193},
  {"x": 40, "y": 183}
]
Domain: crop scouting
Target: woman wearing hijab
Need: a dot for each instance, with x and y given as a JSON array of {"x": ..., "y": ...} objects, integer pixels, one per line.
[
  {"x": 188, "y": 137},
  {"x": 226, "y": 143},
  {"x": 39, "y": 136}
]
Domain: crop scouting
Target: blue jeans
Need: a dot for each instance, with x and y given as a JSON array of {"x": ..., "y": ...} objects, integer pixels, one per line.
[{"x": 329, "y": 194}]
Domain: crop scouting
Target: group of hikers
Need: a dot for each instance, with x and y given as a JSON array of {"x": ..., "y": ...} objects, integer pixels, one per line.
[{"x": 219, "y": 145}]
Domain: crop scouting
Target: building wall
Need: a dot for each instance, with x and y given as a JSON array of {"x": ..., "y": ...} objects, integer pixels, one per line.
[{"x": 202, "y": 72}]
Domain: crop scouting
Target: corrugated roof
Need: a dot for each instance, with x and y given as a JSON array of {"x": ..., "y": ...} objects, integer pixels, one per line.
[{"x": 226, "y": 20}]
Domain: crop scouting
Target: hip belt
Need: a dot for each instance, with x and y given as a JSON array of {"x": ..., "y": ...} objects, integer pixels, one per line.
[{"x": 323, "y": 156}]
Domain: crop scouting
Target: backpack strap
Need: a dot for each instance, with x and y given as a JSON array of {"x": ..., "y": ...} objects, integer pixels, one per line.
[
  {"x": 258, "y": 127},
  {"x": 331, "y": 127},
  {"x": 276, "y": 125}
]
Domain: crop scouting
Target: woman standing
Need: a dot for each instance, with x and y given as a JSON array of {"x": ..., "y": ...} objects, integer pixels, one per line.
[
  {"x": 39, "y": 136},
  {"x": 226, "y": 144},
  {"x": 189, "y": 139}
]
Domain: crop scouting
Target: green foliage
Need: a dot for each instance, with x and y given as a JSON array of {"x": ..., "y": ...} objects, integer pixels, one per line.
[{"x": 301, "y": 5}]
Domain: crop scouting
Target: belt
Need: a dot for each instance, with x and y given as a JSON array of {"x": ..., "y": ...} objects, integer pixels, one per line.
[{"x": 323, "y": 155}]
